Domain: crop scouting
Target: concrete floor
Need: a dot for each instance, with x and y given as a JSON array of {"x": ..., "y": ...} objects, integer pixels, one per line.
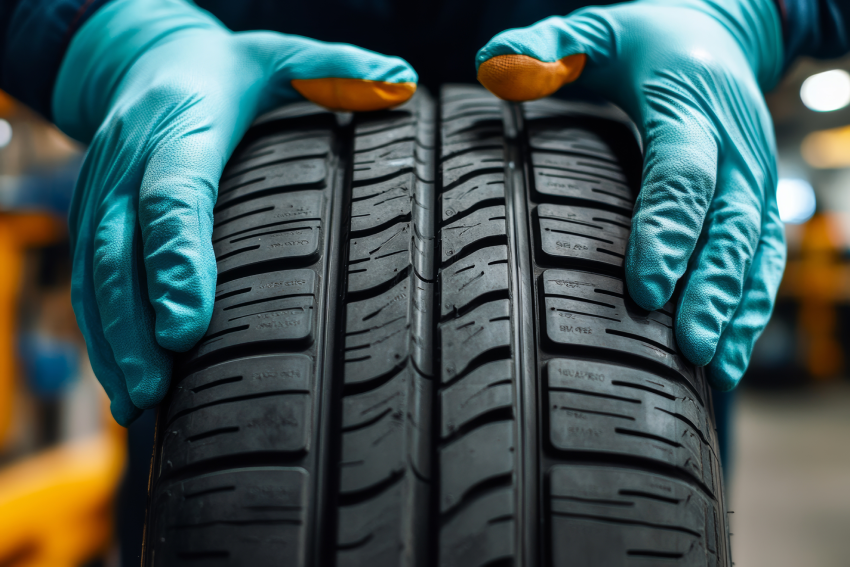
[{"x": 790, "y": 487}]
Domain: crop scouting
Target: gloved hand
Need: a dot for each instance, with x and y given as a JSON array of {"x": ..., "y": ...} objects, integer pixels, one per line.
[
  {"x": 163, "y": 92},
  {"x": 690, "y": 74}
]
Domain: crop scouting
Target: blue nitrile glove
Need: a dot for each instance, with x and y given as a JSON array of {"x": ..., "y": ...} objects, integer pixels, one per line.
[
  {"x": 690, "y": 73},
  {"x": 163, "y": 92}
]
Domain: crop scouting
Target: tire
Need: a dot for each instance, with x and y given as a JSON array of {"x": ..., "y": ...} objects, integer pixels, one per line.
[{"x": 423, "y": 353}]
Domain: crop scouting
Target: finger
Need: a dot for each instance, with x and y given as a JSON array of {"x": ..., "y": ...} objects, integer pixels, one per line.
[
  {"x": 534, "y": 62},
  {"x": 122, "y": 299},
  {"x": 715, "y": 285},
  {"x": 736, "y": 342},
  {"x": 334, "y": 75},
  {"x": 354, "y": 95},
  {"x": 99, "y": 351},
  {"x": 176, "y": 200},
  {"x": 680, "y": 172},
  {"x": 106, "y": 369}
]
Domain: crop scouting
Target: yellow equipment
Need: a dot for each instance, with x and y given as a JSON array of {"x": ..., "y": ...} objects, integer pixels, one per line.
[
  {"x": 56, "y": 505},
  {"x": 819, "y": 279},
  {"x": 18, "y": 233}
]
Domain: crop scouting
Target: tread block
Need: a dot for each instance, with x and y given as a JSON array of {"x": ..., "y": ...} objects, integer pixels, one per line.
[
  {"x": 480, "y": 132},
  {"x": 384, "y": 162},
  {"x": 600, "y": 115},
  {"x": 382, "y": 121},
  {"x": 620, "y": 517},
  {"x": 471, "y": 121},
  {"x": 476, "y": 101},
  {"x": 258, "y": 216},
  {"x": 234, "y": 517},
  {"x": 466, "y": 233},
  {"x": 583, "y": 165},
  {"x": 547, "y": 107},
  {"x": 463, "y": 117},
  {"x": 484, "y": 454},
  {"x": 264, "y": 309},
  {"x": 240, "y": 426},
  {"x": 309, "y": 173},
  {"x": 411, "y": 123},
  {"x": 583, "y": 188},
  {"x": 241, "y": 378},
  {"x": 614, "y": 409},
  {"x": 487, "y": 388},
  {"x": 293, "y": 114},
  {"x": 472, "y": 164},
  {"x": 377, "y": 531},
  {"x": 480, "y": 534},
  {"x": 377, "y": 334},
  {"x": 570, "y": 140},
  {"x": 382, "y": 203},
  {"x": 582, "y": 235},
  {"x": 379, "y": 258},
  {"x": 481, "y": 331},
  {"x": 273, "y": 150},
  {"x": 299, "y": 242},
  {"x": 264, "y": 288},
  {"x": 483, "y": 272},
  {"x": 377, "y": 352},
  {"x": 278, "y": 227},
  {"x": 371, "y": 190},
  {"x": 590, "y": 310},
  {"x": 371, "y": 136},
  {"x": 472, "y": 192},
  {"x": 382, "y": 429}
]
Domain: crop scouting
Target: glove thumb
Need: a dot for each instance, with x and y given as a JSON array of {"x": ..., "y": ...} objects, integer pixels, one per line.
[
  {"x": 337, "y": 76},
  {"x": 530, "y": 63}
]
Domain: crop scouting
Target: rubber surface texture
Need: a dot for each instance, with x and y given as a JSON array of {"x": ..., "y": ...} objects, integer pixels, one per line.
[{"x": 423, "y": 353}]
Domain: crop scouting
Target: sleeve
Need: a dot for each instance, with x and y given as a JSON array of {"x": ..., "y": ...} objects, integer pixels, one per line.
[
  {"x": 816, "y": 28},
  {"x": 34, "y": 35}
]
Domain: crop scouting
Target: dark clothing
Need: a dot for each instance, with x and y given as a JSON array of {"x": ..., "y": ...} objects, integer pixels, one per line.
[
  {"x": 816, "y": 28},
  {"x": 438, "y": 37}
]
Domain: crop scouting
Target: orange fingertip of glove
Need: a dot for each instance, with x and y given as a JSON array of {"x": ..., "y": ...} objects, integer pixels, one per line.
[
  {"x": 354, "y": 95},
  {"x": 520, "y": 77}
]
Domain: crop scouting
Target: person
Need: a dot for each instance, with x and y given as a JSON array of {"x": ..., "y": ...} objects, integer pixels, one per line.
[{"x": 161, "y": 91}]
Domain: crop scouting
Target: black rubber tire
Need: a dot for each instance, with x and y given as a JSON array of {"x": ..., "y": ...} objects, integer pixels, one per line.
[{"x": 423, "y": 353}]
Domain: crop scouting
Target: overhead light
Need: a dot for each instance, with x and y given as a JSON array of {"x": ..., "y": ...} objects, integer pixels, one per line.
[
  {"x": 827, "y": 149},
  {"x": 796, "y": 200},
  {"x": 5, "y": 133},
  {"x": 826, "y": 91}
]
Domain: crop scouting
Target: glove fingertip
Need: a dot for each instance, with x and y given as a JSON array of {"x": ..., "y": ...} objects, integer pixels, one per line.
[
  {"x": 518, "y": 78},
  {"x": 123, "y": 411},
  {"x": 646, "y": 292},
  {"x": 727, "y": 368},
  {"x": 722, "y": 378},
  {"x": 182, "y": 284},
  {"x": 149, "y": 378},
  {"x": 354, "y": 95},
  {"x": 178, "y": 328},
  {"x": 648, "y": 297},
  {"x": 697, "y": 344}
]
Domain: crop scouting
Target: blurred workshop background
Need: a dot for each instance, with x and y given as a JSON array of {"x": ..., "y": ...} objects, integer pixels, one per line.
[{"x": 64, "y": 470}]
